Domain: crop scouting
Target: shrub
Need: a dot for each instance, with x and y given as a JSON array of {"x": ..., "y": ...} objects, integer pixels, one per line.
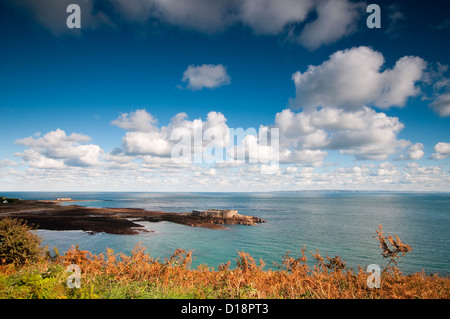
[{"x": 18, "y": 245}]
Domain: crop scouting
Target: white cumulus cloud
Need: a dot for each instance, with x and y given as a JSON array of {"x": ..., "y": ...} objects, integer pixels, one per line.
[
  {"x": 145, "y": 138},
  {"x": 57, "y": 150},
  {"x": 364, "y": 133},
  {"x": 442, "y": 150},
  {"x": 415, "y": 152},
  {"x": 335, "y": 19},
  {"x": 442, "y": 105},
  {"x": 352, "y": 78},
  {"x": 206, "y": 76},
  {"x": 7, "y": 162},
  {"x": 201, "y": 15},
  {"x": 270, "y": 17}
]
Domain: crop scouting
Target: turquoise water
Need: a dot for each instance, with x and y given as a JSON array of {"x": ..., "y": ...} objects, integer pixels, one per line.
[{"x": 337, "y": 223}]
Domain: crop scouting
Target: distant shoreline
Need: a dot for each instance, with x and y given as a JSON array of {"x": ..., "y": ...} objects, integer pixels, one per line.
[
  {"x": 58, "y": 201},
  {"x": 50, "y": 215}
]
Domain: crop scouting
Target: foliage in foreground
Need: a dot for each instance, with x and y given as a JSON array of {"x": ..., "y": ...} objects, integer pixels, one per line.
[
  {"x": 110, "y": 275},
  {"x": 18, "y": 244}
]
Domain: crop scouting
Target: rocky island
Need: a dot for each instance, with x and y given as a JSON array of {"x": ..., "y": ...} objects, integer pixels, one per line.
[{"x": 51, "y": 215}]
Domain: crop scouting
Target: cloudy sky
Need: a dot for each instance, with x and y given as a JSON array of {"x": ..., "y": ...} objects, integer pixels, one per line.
[{"x": 104, "y": 107}]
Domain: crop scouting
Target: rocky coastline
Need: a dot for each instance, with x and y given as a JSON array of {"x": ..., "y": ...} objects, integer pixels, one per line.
[{"x": 50, "y": 215}]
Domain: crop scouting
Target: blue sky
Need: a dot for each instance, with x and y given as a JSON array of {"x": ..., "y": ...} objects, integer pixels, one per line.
[{"x": 93, "y": 108}]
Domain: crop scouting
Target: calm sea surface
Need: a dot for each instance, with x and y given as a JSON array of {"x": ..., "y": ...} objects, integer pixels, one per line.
[{"x": 337, "y": 223}]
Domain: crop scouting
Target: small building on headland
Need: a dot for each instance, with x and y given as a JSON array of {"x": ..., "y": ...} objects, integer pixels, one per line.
[
  {"x": 64, "y": 199},
  {"x": 224, "y": 213}
]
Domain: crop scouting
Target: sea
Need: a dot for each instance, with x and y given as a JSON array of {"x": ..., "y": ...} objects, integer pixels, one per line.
[{"x": 336, "y": 223}]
